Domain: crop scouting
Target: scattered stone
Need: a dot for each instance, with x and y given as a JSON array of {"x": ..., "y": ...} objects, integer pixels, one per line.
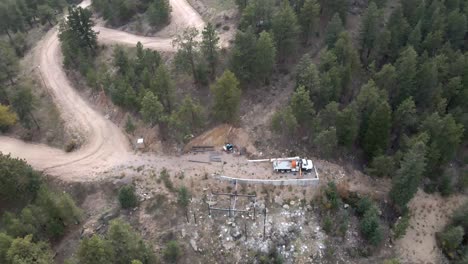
[
  {"x": 235, "y": 233},
  {"x": 193, "y": 243},
  {"x": 229, "y": 245},
  {"x": 278, "y": 200},
  {"x": 285, "y": 206}
]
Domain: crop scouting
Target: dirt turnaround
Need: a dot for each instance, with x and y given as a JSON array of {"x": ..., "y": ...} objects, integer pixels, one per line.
[{"x": 105, "y": 146}]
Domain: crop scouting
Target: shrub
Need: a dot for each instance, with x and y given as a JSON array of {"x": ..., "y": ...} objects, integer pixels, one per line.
[
  {"x": 381, "y": 166},
  {"x": 165, "y": 177},
  {"x": 327, "y": 224},
  {"x": 18, "y": 181},
  {"x": 172, "y": 251},
  {"x": 445, "y": 186},
  {"x": 344, "y": 222},
  {"x": 183, "y": 197},
  {"x": 401, "y": 226},
  {"x": 273, "y": 257},
  {"x": 370, "y": 227},
  {"x": 127, "y": 197},
  {"x": 129, "y": 126},
  {"x": 363, "y": 205},
  {"x": 461, "y": 216},
  {"x": 451, "y": 239},
  {"x": 70, "y": 146},
  {"x": 332, "y": 195}
]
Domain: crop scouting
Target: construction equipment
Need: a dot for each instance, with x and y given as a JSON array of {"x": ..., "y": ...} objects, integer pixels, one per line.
[
  {"x": 228, "y": 147},
  {"x": 293, "y": 164}
]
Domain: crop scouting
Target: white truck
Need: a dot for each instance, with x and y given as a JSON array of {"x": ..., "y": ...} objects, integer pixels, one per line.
[{"x": 295, "y": 164}]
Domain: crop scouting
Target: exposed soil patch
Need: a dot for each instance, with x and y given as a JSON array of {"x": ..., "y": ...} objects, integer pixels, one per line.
[{"x": 429, "y": 214}]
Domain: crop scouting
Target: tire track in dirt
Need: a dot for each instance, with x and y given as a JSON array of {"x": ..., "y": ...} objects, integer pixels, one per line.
[{"x": 105, "y": 145}]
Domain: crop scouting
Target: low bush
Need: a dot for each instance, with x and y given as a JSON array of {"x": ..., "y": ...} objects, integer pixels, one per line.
[
  {"x": 127, "y": 197},
  {"x": 166, "y": 178},
  {"x": 401, "y": 226},
  {"x": 450, "y": 240},
  {"x": 172, "y": 252}
]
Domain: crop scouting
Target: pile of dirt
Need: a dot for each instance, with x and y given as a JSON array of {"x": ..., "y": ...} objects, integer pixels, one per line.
[{"x": 222, "y": 134}]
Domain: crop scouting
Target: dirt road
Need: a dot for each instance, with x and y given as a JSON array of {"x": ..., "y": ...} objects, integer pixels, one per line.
[{"x": 105, "y": 145}]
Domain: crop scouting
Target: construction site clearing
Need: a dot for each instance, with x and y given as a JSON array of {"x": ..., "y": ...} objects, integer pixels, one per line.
[{"x": 235, "y": 168}]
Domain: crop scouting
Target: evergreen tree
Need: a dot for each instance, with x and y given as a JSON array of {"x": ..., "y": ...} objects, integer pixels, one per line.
[
  {"x": 370, "y": 227},
  {"x": 348, "y": 59},
  {"x": 285, "y": 30},
  {"x": 335, "y": 27},
  {"x": 5, "y": 244},
  {"x": 128, "y": 244},
  {"x": 80, "y": 28},
  {"x": 406, "y": 67},
  {"x": 409, "y": 175},
  {"x": 243, "y": 53},
  {"x": 405, "y": 117},
  {"x": 377, "y": 135},
  {"x": 46, "y": 13},
  {"x": 415, "y": 37},
  {"x": 159, "y": 12},
  {"x": 368, "y": 100},
  {"x": 309, "y": 78},
  {"x": 9, "y": 65},
  {"x": 445, "y": 138},
  {"x": 209, "y": 47},
  {"x": 183, "y": 199},
  {"x": 95, "y": 250},
  {"x": 265, "y": 56},
  {"x": 370, "y": 29},
  {"x": 151, "y": 109},
  {"x": 227, "y": 95},
  {"x": 399, "y": 29},
  {"x": 386, "y": 79},
  {"x": 284, "y": 122},
  {"x": 456, "y": 28},
  {"x": 187, "y": 48},
  {"x": 24, "y": 250},
  {"x": 24, "y": 103},
  {"x": 302, "y": 107},
  {"x": 427, "y": 77},
  {"x": 257, "y": 15},
  {"x": 339, "y": 7},
  {"x": 78, "y": 39},
  {"x": 329, "y": 115},
  {"x": 309, "y": 18},
  {"x": 326, "y": 142},
  {"x": 163, "y": 88},
  {"x": 120, "y": 60},
  {"x": 347, "y": 126},
  {"x": 187, "y": 119}
]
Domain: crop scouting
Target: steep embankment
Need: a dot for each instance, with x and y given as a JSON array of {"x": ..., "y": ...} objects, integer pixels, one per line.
[{"x": 105, "y": 145}]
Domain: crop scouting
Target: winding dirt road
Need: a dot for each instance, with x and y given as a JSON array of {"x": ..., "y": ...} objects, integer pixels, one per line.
[{"x": 106, "y": 146}]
